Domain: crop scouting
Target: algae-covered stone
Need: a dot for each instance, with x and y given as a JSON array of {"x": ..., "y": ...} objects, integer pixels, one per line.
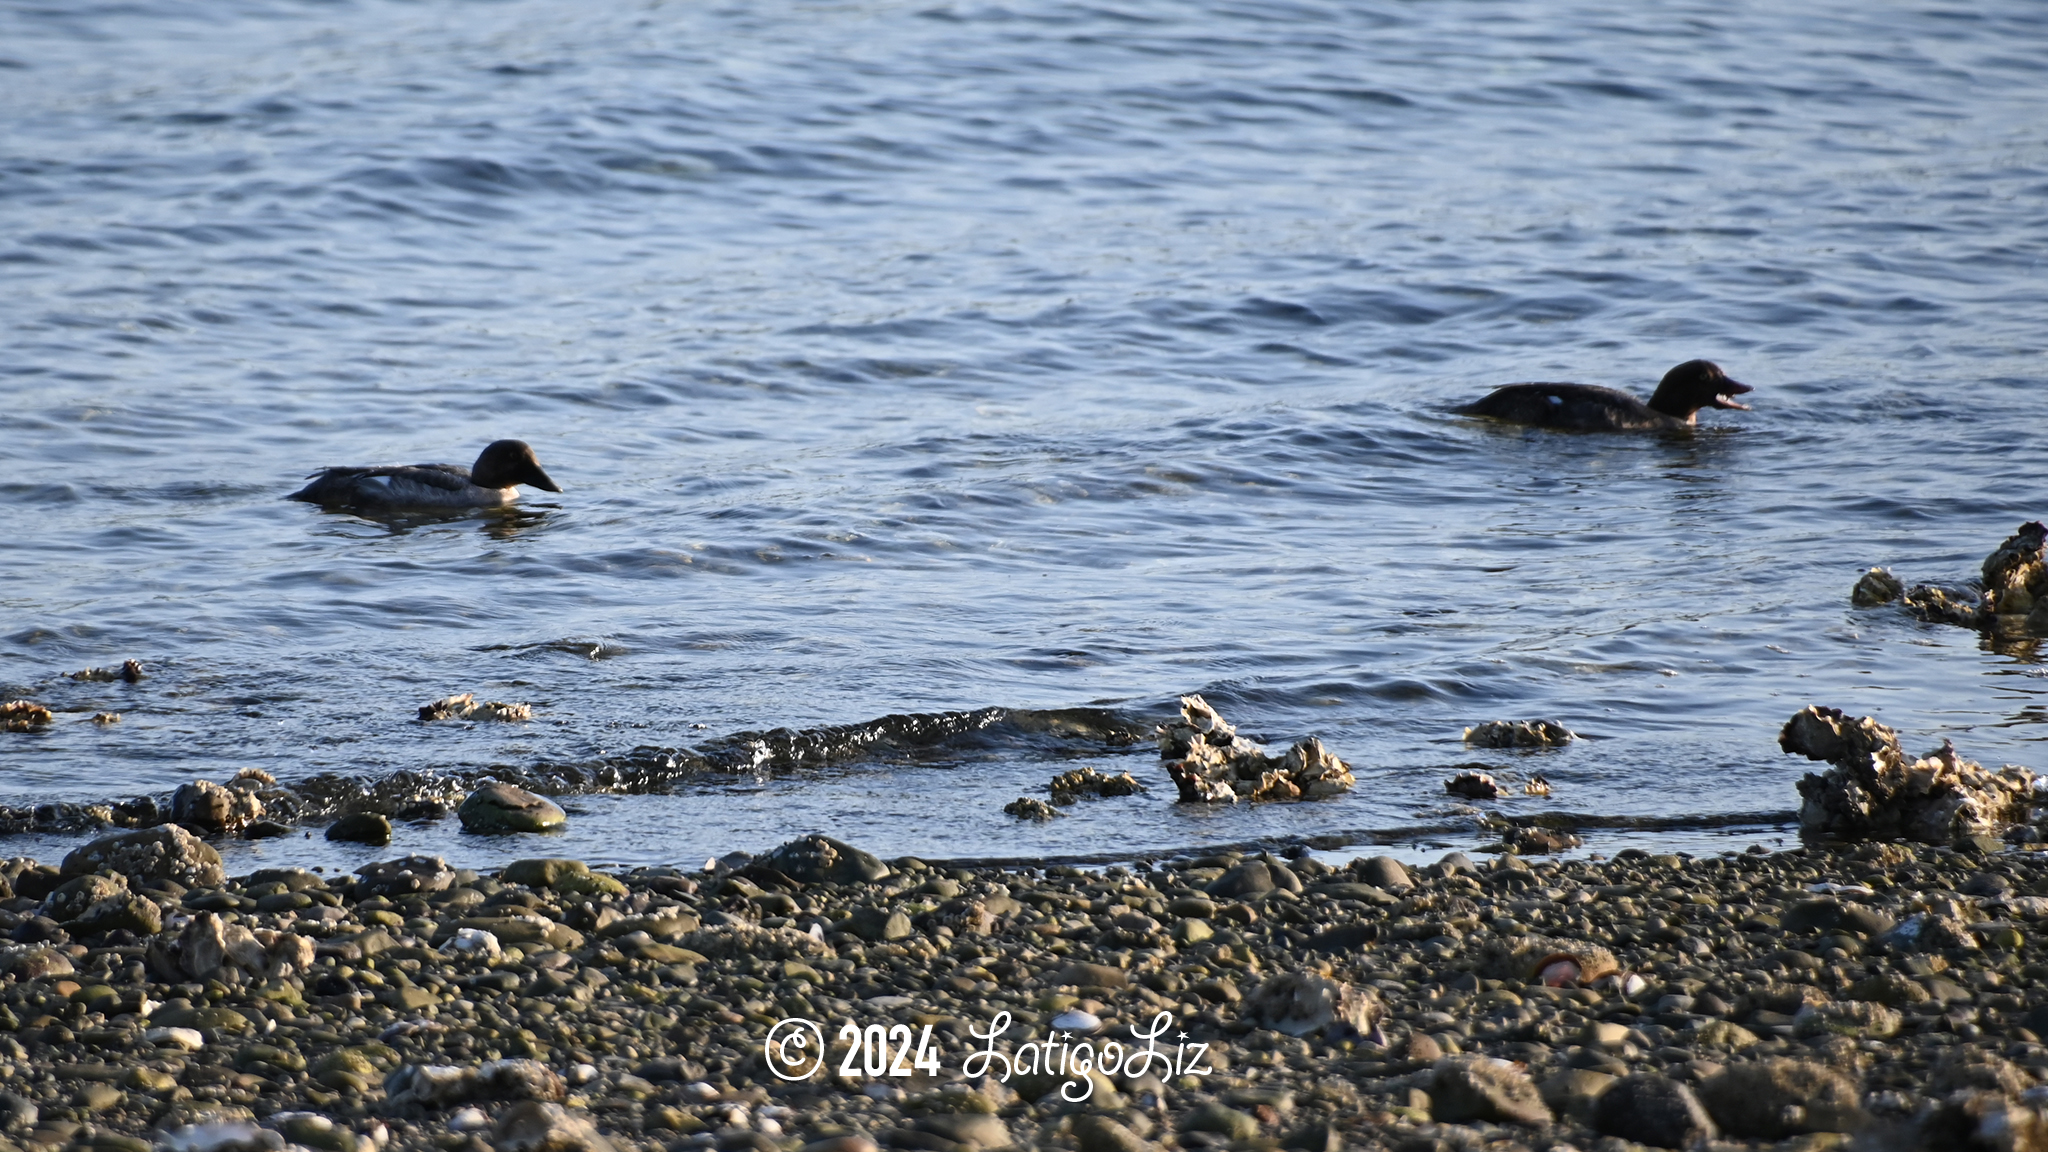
[
  {"x": 590, "y": 884},
  {"x": 503, "y": 808}
]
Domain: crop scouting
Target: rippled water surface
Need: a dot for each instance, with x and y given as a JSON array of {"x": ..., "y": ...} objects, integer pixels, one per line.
[{"x": 920, "y": 357}]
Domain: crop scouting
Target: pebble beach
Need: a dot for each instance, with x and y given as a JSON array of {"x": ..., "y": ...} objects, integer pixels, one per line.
[{"x": 1886, "y": 993}]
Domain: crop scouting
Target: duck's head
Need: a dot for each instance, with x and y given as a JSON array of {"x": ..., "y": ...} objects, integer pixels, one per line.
[
  {"x": 1694, "y": 385},
  {"x": 504, "y": 463}
]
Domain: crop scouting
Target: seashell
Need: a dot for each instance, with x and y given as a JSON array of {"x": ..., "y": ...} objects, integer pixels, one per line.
[{"x": 1075, "y": 1020}]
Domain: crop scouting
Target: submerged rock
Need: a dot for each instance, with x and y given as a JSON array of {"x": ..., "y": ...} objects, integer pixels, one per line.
[
  {"x": 1519, "y": 734},
  {"x": 465, "y": 707},
  {"x": 1067, "y": 787},
  {"x": 1877, "y": 586},
  {"x": 503, "y": 808},
  {"x": 1210, "y": 763},
  {"x": 1872, "y": 791},
  {"x": 1031, "y": 808},
  {"x": 130, "y": 670},
  {"x": 361, "y": 828}
]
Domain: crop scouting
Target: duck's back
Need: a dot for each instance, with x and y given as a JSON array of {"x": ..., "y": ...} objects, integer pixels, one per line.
[
  {"x": 407, "y": 486},
  {"x": 1584, "y": 407}
]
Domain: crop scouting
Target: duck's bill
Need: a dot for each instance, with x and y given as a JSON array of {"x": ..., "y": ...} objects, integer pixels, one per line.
[
  {"x": 1727, "y": 395},
  {"x": 541, "y": 480}
]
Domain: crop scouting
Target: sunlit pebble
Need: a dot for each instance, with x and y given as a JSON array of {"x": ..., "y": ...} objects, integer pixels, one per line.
[
  {"x": 582, "y": 1074},
  {"x": 468, "y": 1120},
  {"x": 700, "y": 1091},
  {"x": 1075, "y": 1020}
]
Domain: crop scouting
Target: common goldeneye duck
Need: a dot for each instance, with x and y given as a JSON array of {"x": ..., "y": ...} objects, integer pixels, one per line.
[
  {"x": 489, "y": 483},
  {"x": 1675, "y": 406}
]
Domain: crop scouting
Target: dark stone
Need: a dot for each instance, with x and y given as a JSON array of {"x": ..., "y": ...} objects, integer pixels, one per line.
[
  {"x": 1249, "y": 878},
  {"x": 265, "y": 830},
  {"x": 361, "y": 828},
  {"x": 818, "y": 859},
  {"x": 1653, "y": 1109},
  {"x": 1384, "y": 872}
]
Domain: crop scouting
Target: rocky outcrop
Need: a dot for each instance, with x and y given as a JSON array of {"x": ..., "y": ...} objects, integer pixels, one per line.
[
  {"x": 1871, "y": 790},
  {"x": 2009, "y": 598},
  {"x": 1210, "y": 763}
]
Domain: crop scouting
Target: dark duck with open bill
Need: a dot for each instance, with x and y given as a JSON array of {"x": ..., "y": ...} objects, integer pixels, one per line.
[
  {"x": 1674, "y": 407},
  {"x": 492, "y": 482}
]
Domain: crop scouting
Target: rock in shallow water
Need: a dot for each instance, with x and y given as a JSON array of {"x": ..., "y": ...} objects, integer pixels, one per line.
[
  {"x": 361, "y": 828},
  {"x": 1210, "y": 763},
  {"x": 504, "y": 808},
  {"x": 1519, "y": 734},
  {"x": 1871, "y": 790}
]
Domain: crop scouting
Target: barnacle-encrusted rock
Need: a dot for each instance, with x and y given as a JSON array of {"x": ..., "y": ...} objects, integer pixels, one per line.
[
  {"x": 1877, "y": 586},
  {"x": 2016, "y": 573},
  {"x": 1871, "y": 790},
  {"x": 1545, "y": 960},
  {"x": 1519, "y": 734},
  {"x": 465, "y": 707},
  {"x": 1210, "y": 763},
  {"x": 22, "y": 716},
  {"x": 130, "y": 670},
  {"x": 1303, "y": 1004},
  {"x": 1472, "y": 786},
  {"x": 816, "y": 859},
  {"x": 1067, "y": 787},
  {"x": 1947, "y": 604},
  {"x": 215, "y": 810},
  {"x": 166, "y": 852},
  {"x": 405, "y": 876},
  {"x": 209, "y": 946},
  {"x": 1530, "y": 840},
  {"x": 1030, "y": 808}
]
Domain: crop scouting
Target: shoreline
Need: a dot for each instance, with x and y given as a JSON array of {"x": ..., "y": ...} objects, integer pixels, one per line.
[{"x": 1882, "y": 988}]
